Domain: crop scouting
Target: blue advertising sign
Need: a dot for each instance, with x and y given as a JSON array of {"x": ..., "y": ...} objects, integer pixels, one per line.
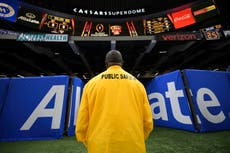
[
  {"x": 35, "y": 108},
  {"x": 169, "y": 102},
  {"x": 9, "y": 9},
  {"x": 4, "y": 85},
  {"x": 210, "y": 94},
  {"x": 77, "y": 88}
]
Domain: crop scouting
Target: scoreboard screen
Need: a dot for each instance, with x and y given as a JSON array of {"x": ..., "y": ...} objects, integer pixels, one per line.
[
  {"x": 212, "y": 33},
  {"x": 56, "y": 24},
  {"x": 157, "y": 25}
]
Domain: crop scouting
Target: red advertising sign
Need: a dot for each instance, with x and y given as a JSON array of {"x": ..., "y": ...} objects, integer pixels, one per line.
[{"x": 182, "y": 18}]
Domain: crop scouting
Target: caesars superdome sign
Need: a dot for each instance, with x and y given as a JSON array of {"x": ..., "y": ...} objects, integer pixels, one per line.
[{"x": 108, "y": 13}]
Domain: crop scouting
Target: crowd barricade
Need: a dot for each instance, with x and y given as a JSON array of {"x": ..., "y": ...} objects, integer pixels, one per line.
[{"x": 38, "y": 108}]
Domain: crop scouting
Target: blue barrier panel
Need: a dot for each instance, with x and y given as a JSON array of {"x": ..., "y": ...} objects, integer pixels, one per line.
[
  {"x": 211, "y": 96},
  {"x": 35, "y": 108},
  {"x": 4, "y": 84},
  {"x": 9, "y": 9},
  {"x": 77, "y": 87},
  {"x": 169, "y": 101}
]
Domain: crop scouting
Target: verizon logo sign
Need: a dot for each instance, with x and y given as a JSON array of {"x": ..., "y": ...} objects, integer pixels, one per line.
[{"x": 179, "y": 36}]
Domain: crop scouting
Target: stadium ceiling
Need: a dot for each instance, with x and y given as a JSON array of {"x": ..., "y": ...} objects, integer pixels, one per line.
[{"x": 144, "y": 56}]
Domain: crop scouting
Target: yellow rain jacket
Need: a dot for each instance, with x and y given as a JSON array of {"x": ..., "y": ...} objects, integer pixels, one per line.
[{"x": 114, "y": 114}]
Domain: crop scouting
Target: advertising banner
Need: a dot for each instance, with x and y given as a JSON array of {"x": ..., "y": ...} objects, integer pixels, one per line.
[
  {"x": 169, "y": 102},
  {"x": 42, "y": 37},
  {"x": 4, "y": 85},
  {"x": 8, "y": 34},
  {"x": 29, "y": 17},
  {"x": 204, "y": 10},
  {"x": 210, "y": 94},
  {"x": 179, "y": 36},
  {"x": 34, "y": 109},
  {"x": 77, "y": 88},
  {"x": 182, "y": 18},
  {"x": 9, "y": 9}
]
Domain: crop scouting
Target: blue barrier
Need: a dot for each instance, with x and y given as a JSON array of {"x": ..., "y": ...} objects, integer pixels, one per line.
[
  {"x": 34, "y": 109},
  {"x": 210, "y": 95},
  {"x": 77, "y": 88},
  {"x": 4, "y": 85},
  {"x": 169, "y": 101}
]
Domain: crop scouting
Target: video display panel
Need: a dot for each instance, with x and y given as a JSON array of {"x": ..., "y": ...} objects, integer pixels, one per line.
[
  {"x": 213, "y": 32},
  {"x": 157, "y": 25},
  {"x": 57, "y": 24},
  {"x": 29, "y": 17},
  {"x": 204, "y": 10}
]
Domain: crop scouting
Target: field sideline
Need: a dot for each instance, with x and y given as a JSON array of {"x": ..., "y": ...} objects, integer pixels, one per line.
[{"x": 161, "y": 140}]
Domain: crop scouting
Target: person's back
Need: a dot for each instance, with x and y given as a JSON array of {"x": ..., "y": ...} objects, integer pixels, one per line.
[{"x": 114, "y": 114}]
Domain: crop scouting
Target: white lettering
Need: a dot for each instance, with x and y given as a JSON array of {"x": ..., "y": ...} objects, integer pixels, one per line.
[
  {"x": 77, "y": 103},
  {"x": 186, "y": 16},
  {"x": 158, "y": 104},
  {"x": 173, "y": 95},
  {"x": 41, "y": 110},
  {"x": 205, "y": 104},
  {"x": 109, "y": 12},
  {"x": 81, "y": 11}
]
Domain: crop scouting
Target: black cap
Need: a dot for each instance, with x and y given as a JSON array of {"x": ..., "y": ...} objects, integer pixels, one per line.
[{"x": 113, "y": 56}]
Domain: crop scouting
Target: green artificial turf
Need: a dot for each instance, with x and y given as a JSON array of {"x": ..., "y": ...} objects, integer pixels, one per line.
[{"x": 161, "y": 140}]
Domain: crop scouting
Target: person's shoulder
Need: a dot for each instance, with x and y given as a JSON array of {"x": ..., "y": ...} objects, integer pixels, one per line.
[
  {"x": 95, "y": 78},
  {"x": 130, "y": 76}
]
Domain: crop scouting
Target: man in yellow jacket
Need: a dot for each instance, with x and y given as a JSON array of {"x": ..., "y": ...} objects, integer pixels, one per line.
[{"x": 114, "y": 114}]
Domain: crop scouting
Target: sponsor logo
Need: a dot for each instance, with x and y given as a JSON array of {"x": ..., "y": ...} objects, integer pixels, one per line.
[
  {"x": 6, "y": 34},
  {"x": 55, "y": 113},
  {"x": 180, "y": 36},
  {"x": 43, "y": 37},
  {"x": 6, "y": 10},
  {"x": 180, "y": 18},
  {"x": 116, "y": 29},
  {"x": 174, "y": 96},
  {"x": 82, "y": 11},
  {"x": 204, "y": 10},
  {"x": 29, "y": 17}
]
